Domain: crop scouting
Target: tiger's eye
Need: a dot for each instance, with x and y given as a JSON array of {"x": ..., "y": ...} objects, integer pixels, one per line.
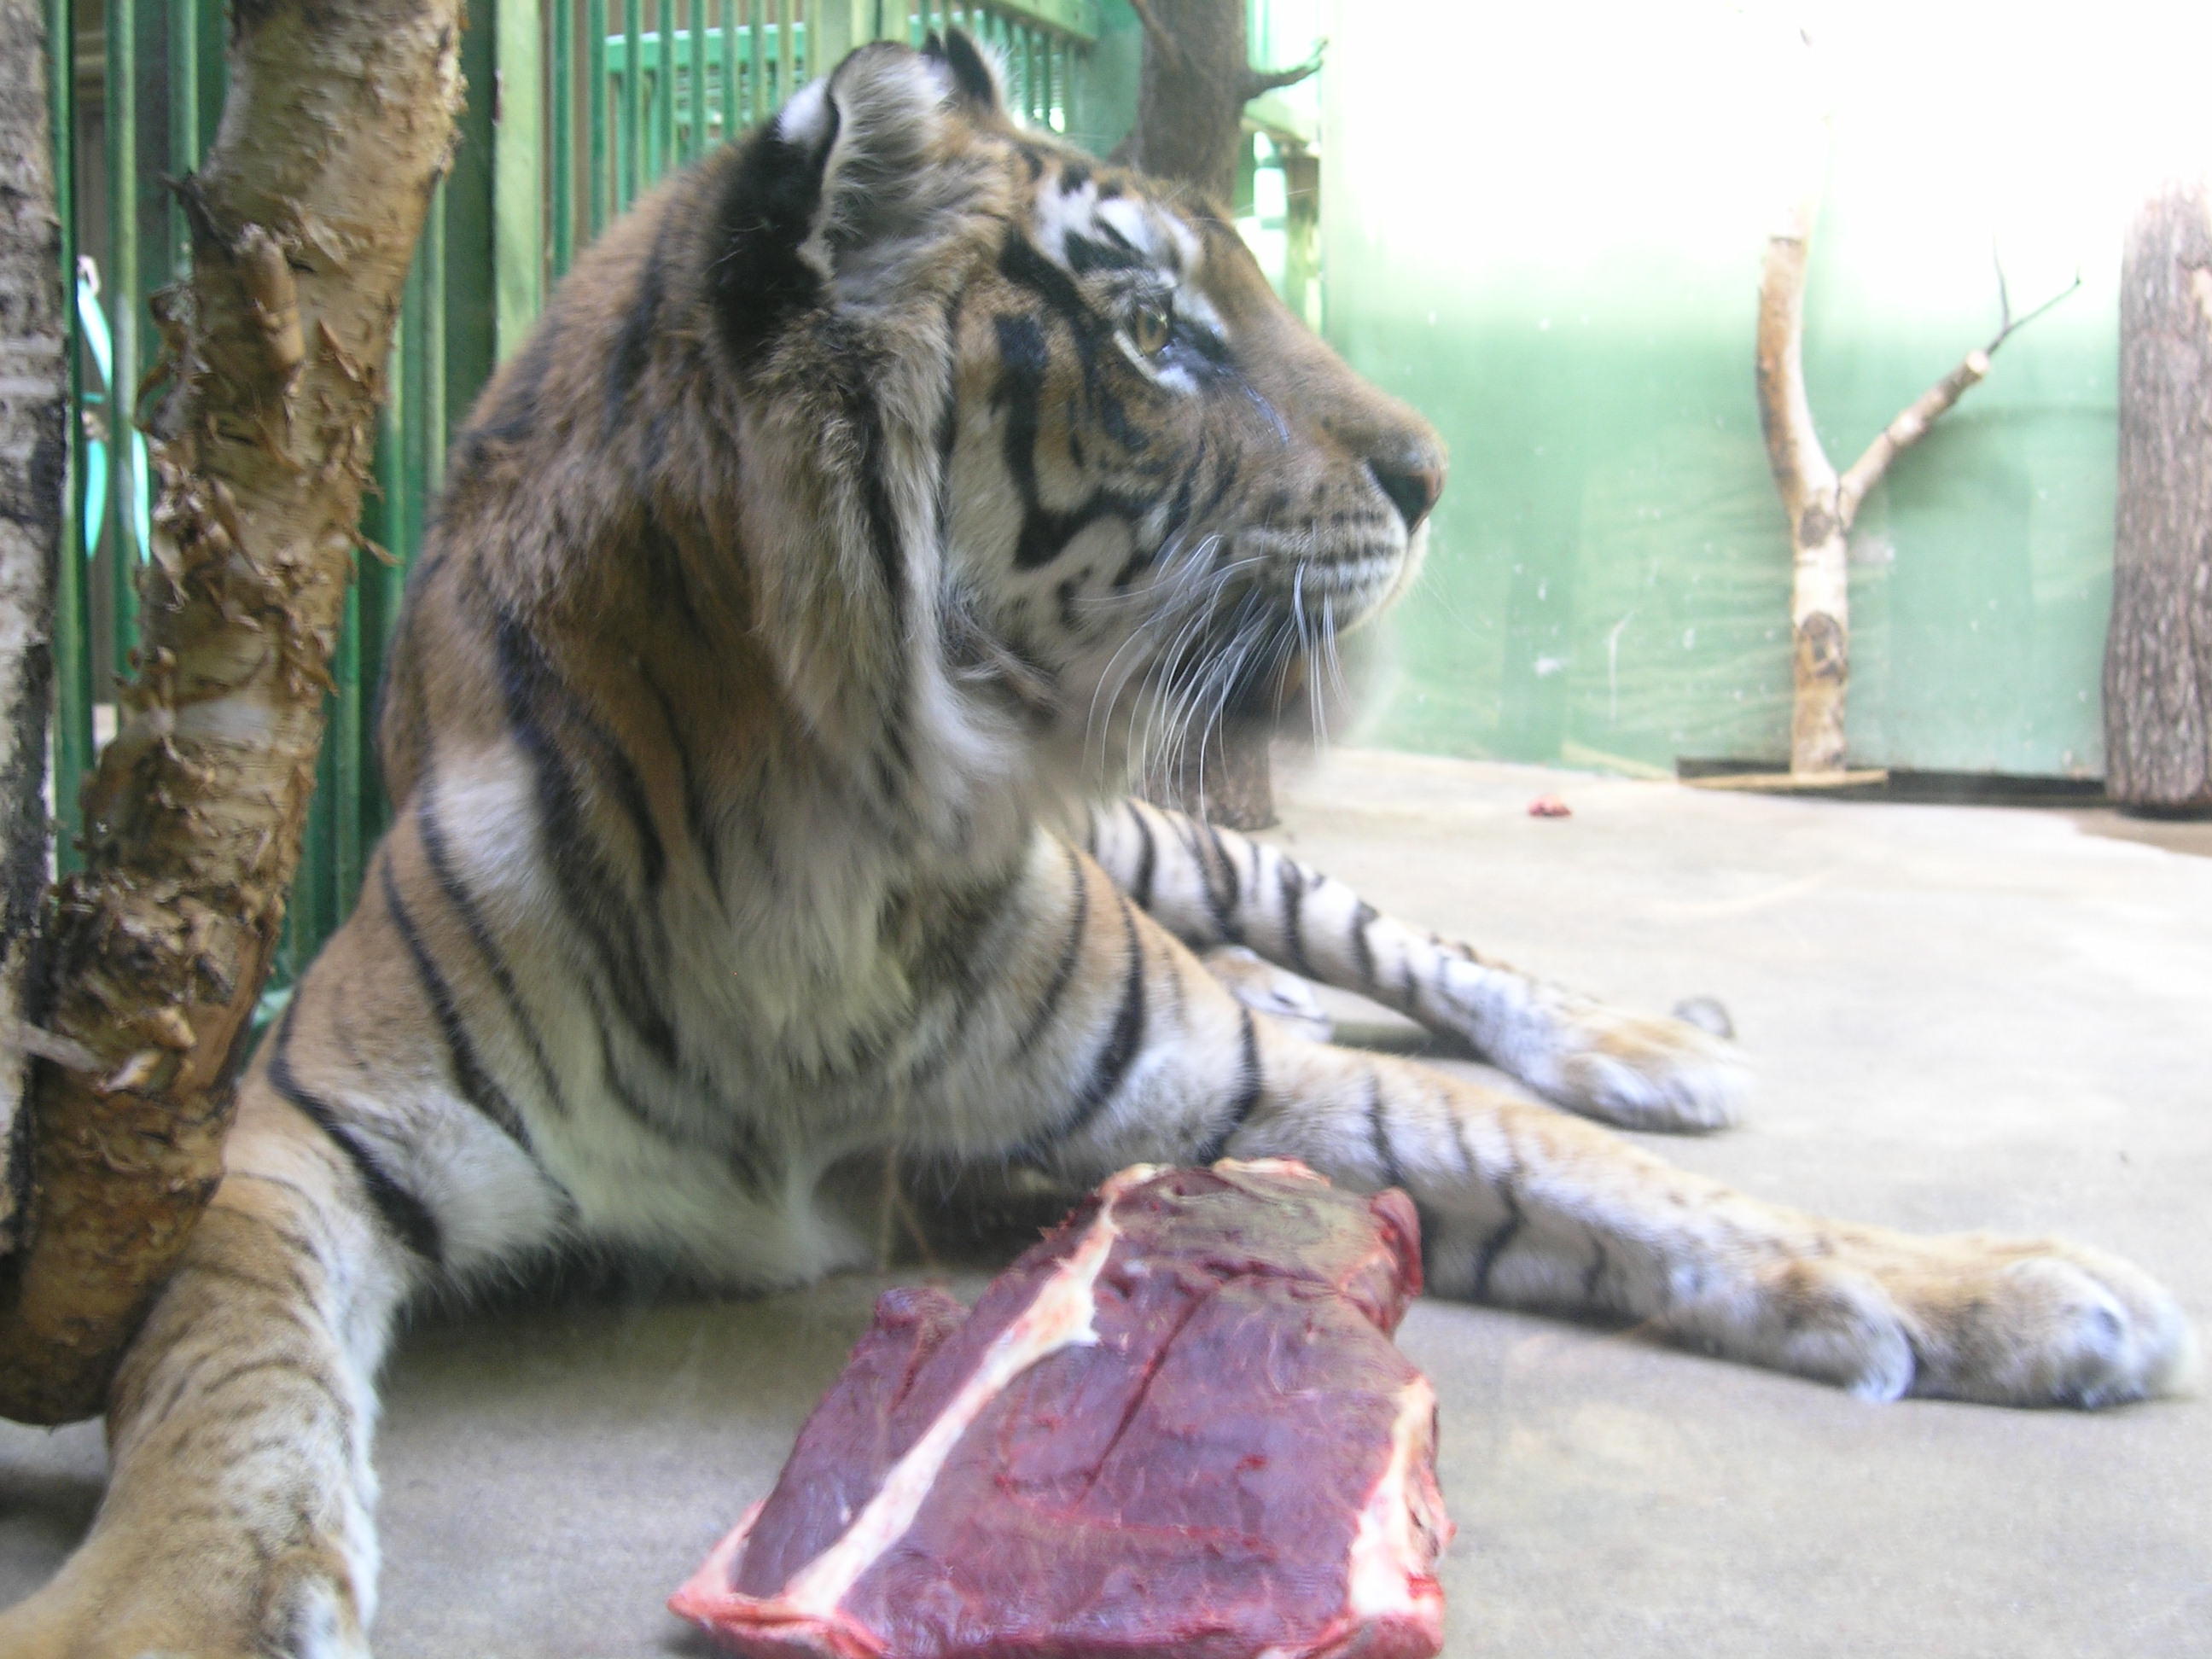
[{"x": 1150, "y": 325}]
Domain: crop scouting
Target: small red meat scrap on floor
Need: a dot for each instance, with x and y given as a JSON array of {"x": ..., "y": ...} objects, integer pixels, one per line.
[
  {"x": 1550, "y": 807},
  {"x": 1177, "y": 1426}
]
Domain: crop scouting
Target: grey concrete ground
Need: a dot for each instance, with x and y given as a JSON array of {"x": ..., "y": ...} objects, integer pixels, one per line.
[{"x": 1964, "y": 1018}]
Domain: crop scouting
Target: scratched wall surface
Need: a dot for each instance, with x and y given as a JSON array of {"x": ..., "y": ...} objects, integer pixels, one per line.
[{"x": 1544, "y": 228}]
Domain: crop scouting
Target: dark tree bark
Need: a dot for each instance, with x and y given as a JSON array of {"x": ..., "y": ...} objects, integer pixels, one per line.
[
  {"x": 339, "y": 123},
  {"x": 2158, "y": 654},
  {"x": 34, "y": 404},
  {"x": 1196, "y": 79}
]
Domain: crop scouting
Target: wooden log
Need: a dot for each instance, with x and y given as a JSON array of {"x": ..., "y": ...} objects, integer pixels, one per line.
[
  {"x": 34, "y": 404},
  {"x": 2158, "y": 653}
]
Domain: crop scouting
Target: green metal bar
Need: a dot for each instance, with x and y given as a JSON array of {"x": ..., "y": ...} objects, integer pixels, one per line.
[
  {"x": 122, "y": 286},
  {"x": 343, "y": 743},
  {"x": 699, "y": 133},
  {"x": 517, "y": 178},
  {"x": 561, "y": 137},
  {"x": 72, "y": 634},
  {"x": 632, "y": 132},
  {"x": 212, "y": 28},
  {"x": 595, "y": 100},
  {"x": 1077, "y": 20},
  {"x": 429, "y": 425},
  {"x": 732, "y": 116},
  {"x": 183, "y": 79},
  {"x": 756, "y": 49},
  {"x": 786, "y": 51},
  {"x": 664, "y": 90},
  {"x": 381, "y": 580}
]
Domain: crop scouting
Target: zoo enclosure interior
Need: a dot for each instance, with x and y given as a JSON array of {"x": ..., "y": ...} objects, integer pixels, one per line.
[
  {"x": 574, "y": 108},
  {"x": 1542, "y": 227}
]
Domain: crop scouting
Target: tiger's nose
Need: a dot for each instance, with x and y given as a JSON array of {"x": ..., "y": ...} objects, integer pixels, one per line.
[{"x": 1413, "y": 482}]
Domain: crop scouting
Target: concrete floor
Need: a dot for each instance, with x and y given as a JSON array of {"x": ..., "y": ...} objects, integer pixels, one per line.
[{"x": 1964, "y": 1018}]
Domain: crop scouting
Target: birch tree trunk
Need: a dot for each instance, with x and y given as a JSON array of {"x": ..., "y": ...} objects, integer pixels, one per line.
[
  {"x": 1822, "y": 503},
  {"x": 2158, "y": 659},
  {"x": 337, "y": 126},
  {"x": 34, "y": 404}
]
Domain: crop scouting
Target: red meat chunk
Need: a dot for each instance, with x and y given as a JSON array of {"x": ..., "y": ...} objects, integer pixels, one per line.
[{"x": 1177, "y": 1426}]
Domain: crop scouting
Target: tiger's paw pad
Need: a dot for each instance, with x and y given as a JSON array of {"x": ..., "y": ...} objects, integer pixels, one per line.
[
  {"x": 1645, "y": 1072},
  {"x": 1266, "y": 989}
]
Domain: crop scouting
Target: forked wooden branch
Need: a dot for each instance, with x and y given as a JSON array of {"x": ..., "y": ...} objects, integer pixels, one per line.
[{"x": 1822, "y": 505}]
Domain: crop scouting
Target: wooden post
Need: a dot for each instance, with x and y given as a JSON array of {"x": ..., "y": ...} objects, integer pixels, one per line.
[
  {"x": 34, "y": 404},
  {"x": 2158, "y": 656}
]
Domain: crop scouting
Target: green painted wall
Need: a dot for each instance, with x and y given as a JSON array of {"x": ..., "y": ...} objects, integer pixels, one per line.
[{"x": 1544, "y": 226}]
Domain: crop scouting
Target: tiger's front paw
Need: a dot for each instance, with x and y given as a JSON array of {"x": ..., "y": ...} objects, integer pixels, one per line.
[
  {"x": 172, "y": 1604},
  {"x": 2000, "y": 1321},
  {"x": 1637, "y": 1071}
]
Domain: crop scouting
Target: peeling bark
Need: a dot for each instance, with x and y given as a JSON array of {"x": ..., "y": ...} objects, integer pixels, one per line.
[
  {"x": 2158, "y": 658},
  {"x": 34, "y": 404},
  {"x": 339, "y": 123}
]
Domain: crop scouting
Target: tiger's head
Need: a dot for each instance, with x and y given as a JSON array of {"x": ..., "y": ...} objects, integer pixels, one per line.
[{"x": 1036, "y": 451}]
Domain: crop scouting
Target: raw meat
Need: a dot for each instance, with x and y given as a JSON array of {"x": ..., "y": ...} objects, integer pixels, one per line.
[{"x": 1177, "y": 1426}]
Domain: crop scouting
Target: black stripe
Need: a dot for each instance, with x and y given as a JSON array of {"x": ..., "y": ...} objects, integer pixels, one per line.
[
  {"x": 756, "y": 279},
  {"x": 439, "y": 858},
  {"x": 1223, "y": 903},
  {"x": 698, "y": 820},
  {"x": 885, "y": 542},
  {"x": 406, "y": 1216},
  {"x": 594, "y": 895},
  {"x": 633, "y": 344},
  {"x": 1118, "y": 1053},
  {"x": 1086, "y": 254},
  {"x": 1363, "y": 954},
  {"x": 1021, "y": 262},
  {"x": 1250, "y": 1086},
  {"x": 1070, "y": 954},
  {"x": 1147, "y": 859},
  {"x": 667, "y": 586},
  {"x": 1379, "y": 1131},
  {"x": 477, "y": 1086},
  {"x": 619, "y": 772},
  {"x": 1502, "y": 1235},
  {"x": 1594, "y": 1275},
  {"x": 1291, "y": 881}
]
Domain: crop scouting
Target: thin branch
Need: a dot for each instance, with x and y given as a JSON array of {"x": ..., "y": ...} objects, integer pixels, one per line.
[
  {"x": 1258, "y": 83},
  {"x": 2010, "y": 325},
  {"x": 1911, "y": 426}
]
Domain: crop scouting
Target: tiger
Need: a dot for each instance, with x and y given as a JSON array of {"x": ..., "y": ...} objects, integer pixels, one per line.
[{"x": 869, "y": 503}]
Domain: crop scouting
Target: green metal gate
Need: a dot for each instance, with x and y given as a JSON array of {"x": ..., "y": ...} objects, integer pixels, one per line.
[{"x": 575, "y": 108}]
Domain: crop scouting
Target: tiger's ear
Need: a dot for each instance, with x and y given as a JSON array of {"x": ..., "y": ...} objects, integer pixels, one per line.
[
  {"x": 977, "y": 78},
  {"x": 850, "y": 186}
]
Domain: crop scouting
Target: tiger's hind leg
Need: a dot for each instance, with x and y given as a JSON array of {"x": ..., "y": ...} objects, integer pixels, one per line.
[
  {"x": 1146, "y": 1058},
  {"x": 1213, "y": 887}
]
